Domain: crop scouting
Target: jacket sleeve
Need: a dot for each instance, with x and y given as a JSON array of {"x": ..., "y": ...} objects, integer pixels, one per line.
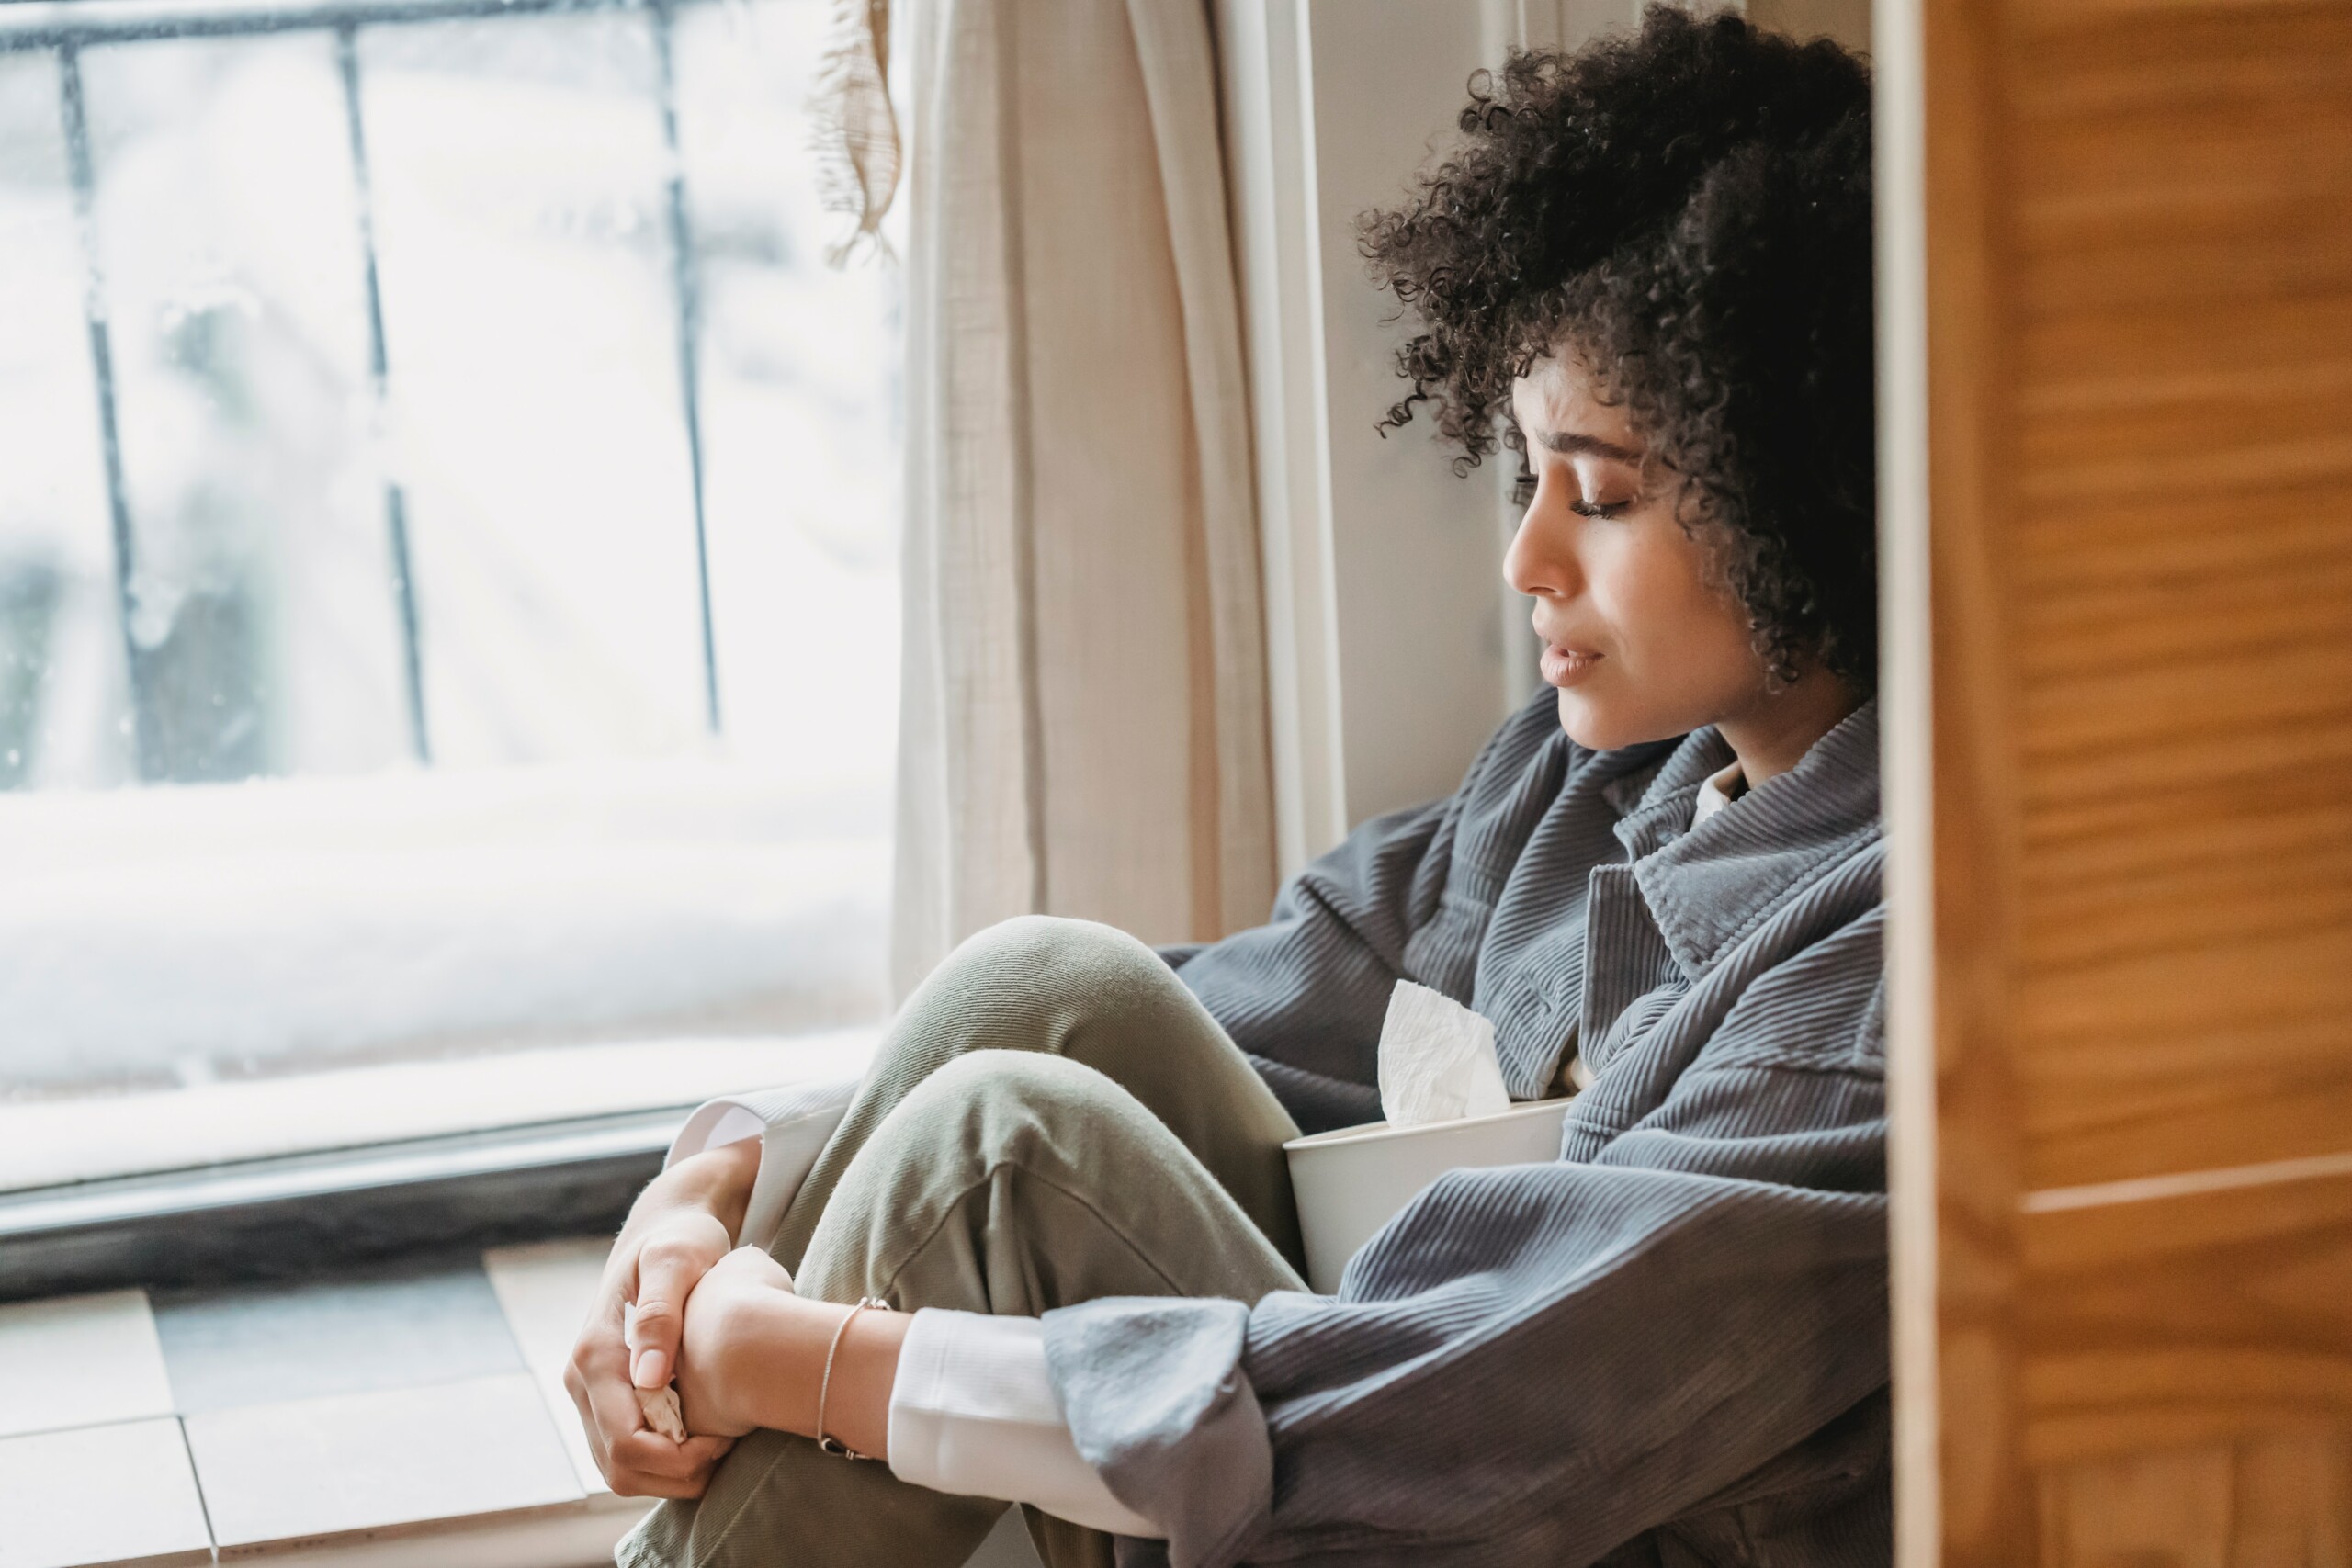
[
  {"x": 792, "y": 1123},
  {"x": 1305, "y": 993},
  {"x": 1531, "y": 1363}
]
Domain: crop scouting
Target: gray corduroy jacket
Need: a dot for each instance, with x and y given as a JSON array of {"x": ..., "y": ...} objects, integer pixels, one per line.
[{"x": 1669, "y": 1346}]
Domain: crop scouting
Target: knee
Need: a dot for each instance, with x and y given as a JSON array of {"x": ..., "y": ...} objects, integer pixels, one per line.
[
  {"x": 985, "y": 1124},
  {"x": 1052, "y": 941},
  {"x": 978, "y": 1115},
  {"x": 1049, "y": 955},
  {"x": 1026, "y": 1111},
  {"x": 1000, "y": 1107}
]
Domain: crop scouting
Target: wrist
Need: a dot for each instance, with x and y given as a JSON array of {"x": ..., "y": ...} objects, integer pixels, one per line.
[
  {"x": 864, "y": 1374},
  {"x": 717, "y": 1183},
  {"x": 771, "y": 1361},
  {"x": 768, "y": 1356}
]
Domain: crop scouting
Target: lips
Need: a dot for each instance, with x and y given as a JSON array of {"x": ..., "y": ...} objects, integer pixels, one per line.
[{"x": 1566, "y": 666}]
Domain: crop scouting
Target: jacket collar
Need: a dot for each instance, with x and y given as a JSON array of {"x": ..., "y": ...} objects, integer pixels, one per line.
[{"x": 1708, "y": 886}]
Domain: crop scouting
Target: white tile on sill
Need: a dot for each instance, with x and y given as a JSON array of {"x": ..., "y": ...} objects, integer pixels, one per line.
[
  {"x": 283, "y": 1476},
  {"x": 80, "y": 1361},
  {"x": 546, "y": 1291},
  {"x": 580, "y": 1536},
  {"x": 116, "y": 1495},
  {"x": 402, "y": 1324}
]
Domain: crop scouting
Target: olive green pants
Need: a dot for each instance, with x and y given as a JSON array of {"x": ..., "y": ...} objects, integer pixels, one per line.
[{"x": 1052, "y": 1118}]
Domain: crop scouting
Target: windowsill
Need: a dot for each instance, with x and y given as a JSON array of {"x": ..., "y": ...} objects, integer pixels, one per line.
[
  {"x": 570, "y": 1535},
  {"x": 47, "y": 1144},
  {"x": 584, "y": 1147},
  {"x": 404, "y": 1416}
]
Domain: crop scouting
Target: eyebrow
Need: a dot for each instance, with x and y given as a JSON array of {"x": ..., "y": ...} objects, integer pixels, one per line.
[{"x": 1569, "y": 444}]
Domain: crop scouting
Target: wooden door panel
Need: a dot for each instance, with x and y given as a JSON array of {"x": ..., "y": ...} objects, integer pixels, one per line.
[
  {"x": 2274, "y": 1503},
  {"x": 2184, "y": 1316},
  {"x": 2138, "y": 378}
]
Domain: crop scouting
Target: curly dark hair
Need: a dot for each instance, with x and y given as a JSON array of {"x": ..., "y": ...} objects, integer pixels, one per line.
[{"x": 1688, "y": 210}]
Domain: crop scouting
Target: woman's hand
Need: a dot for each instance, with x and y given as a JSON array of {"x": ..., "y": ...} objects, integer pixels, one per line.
[
  {"x": 754, "y": 1354},
  {"x": 733, "y": 1305},
  {"x": 682, "y": 1224}
]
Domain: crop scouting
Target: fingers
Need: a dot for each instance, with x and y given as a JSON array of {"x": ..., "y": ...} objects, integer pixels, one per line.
[
  {"x": 636, "y": 1463},
  {"x": 651, "y": 1454},
  {"x": 577, "y": 1386},
  {"x": 652, "y": 1336},
  {"x": 630, "y": 1346},
  {"x": 666, "y": 1273},
  {"x": 706, "y": 1452},
  {"x": 650, "y": 1465},
  {"x": 607, "y": 1407},
  {"x": 597, "y": 1379}
]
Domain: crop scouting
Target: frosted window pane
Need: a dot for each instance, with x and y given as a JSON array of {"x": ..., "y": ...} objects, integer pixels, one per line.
[
  {"x": 64, "y": 718},
  {"x": 520, "y": 180},
  {"x": 261, "y": 597},
  {"x": 800, "y": 397}
]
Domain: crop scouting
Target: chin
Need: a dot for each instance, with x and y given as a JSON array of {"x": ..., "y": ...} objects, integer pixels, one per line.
[{"x": 1599, "y": 724}]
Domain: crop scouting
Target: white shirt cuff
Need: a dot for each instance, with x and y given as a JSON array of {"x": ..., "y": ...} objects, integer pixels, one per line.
[
  {"x": 973, "y": 1411},
  {"x": 793, "y": 1125}
]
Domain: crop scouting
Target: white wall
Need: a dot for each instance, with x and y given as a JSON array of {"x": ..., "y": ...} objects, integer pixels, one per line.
[
  {"x": 1416, "y": 549},
  {"x": 1395, "y": 646}
]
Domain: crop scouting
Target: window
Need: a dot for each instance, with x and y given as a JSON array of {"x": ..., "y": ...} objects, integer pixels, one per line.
[{"x": 447, "y": 595}]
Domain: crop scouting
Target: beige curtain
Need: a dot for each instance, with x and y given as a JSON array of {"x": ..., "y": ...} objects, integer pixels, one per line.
[{"x": 1084, "y": 711}]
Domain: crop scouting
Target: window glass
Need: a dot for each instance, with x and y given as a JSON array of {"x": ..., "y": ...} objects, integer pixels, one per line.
[
  {"x": 62, "y": 719},
  {"x": 467, "y": 698}
]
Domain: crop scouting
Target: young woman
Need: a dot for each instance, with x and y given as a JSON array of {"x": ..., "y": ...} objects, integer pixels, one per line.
[{"x": 1648, "y": 271}]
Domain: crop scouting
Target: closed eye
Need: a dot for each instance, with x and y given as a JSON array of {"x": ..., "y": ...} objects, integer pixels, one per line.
[{"x": 1523, "y": 495}]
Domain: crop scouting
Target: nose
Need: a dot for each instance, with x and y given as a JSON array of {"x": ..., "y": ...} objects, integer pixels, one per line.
[{"x": 1541, "y": 560}]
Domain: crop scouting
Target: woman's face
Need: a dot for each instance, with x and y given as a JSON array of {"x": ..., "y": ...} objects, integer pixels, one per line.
[{"x": 1639, "y": 637}]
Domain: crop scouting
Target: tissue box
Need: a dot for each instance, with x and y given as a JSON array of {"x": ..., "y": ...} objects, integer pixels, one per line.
[{"x": 1350, "y": 1181}]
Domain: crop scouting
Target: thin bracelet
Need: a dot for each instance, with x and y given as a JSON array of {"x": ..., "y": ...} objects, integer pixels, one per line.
[{"x": 825, "y": 1385}]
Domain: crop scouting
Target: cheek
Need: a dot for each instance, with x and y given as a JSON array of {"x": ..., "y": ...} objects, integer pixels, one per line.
[
  {"x": 1650, "y": 591},
  {"x": 1680, "y": 654},
  {"x": 1685, "y": 635}
]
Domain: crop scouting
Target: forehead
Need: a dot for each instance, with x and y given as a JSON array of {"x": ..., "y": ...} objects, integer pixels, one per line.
[{"x": 1560, "y": 397}]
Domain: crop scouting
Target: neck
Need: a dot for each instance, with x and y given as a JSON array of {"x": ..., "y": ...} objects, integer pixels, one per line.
[{"x": 1774, "y": 734}]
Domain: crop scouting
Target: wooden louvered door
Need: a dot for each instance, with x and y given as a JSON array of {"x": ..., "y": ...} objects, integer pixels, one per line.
[{"x": 2118, "y": 302}]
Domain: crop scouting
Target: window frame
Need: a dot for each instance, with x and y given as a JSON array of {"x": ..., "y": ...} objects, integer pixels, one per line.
[{"x": 293, "y": 1215}]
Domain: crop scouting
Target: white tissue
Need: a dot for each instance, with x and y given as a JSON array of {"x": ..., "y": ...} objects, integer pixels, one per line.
[
  {"x": 661, "y": 1412},
  {"x": 1437, "y": 1060}
]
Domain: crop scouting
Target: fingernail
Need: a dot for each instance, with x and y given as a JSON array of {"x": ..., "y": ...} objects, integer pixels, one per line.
[{"x": 652, "y": 1369}]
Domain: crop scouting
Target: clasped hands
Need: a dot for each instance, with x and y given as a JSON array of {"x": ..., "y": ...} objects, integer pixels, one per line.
[{"x": 745, "y": 1352}]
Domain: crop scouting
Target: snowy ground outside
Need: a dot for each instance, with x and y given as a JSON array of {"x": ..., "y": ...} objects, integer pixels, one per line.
[
  {"x": 184, "y": 935},
  {"x": 233, "y": 970}
]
